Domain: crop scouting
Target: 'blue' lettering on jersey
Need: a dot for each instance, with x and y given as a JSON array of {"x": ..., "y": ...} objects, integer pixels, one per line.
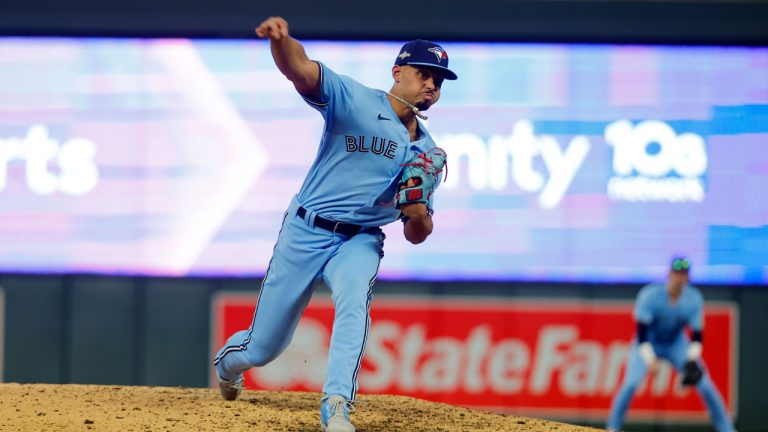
[{"x": 377, "y": 146}]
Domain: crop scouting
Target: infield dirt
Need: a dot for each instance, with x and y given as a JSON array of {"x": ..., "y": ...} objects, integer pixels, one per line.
[{"x": 72, "y": 407}]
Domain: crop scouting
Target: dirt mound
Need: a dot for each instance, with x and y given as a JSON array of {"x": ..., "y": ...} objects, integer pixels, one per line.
[{"x": 45, "y": 407}]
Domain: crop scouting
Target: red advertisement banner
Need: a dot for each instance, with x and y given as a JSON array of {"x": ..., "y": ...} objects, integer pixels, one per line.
[{"x": 562, "y": 359}]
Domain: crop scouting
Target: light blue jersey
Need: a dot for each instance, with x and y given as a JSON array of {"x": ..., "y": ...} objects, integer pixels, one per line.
[
  {"x": 359, "y": 163},
  {"x": 666, "y": 321}
]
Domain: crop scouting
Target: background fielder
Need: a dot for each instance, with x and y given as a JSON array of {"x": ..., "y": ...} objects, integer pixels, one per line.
[
  {"x": 662, "y": 311},
  {"x": 331, "y": 229}
]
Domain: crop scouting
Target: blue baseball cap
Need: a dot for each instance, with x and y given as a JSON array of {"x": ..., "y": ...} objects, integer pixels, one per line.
[{"x": 422, "y": 52}]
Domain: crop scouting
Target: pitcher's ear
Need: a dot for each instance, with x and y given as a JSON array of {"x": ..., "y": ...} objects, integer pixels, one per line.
[{"x": 396, "y": 73}]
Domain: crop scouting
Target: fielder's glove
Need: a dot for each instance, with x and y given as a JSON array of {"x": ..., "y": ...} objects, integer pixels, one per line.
[
  {"x": 692, "y": 373},
  {"x": 423, "y": 171}
]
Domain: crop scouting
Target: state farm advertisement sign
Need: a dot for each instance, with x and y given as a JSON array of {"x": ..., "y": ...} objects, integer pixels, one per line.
[{"x": 564, "y": 359}]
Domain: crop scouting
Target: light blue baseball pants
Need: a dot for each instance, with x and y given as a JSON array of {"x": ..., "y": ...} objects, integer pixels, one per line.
[
  {"x": 302, "y": 255},
  {"x": 675, "y": 353}
]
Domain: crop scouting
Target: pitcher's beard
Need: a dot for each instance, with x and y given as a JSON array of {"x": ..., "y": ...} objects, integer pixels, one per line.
[{"x": 422, "y": 106}]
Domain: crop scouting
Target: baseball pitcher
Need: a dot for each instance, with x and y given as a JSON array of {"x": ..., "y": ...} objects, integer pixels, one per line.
[{"x": 376, "y": 163}]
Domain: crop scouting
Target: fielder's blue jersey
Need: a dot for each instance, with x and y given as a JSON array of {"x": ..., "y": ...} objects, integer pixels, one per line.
[
  {"x": 359, "y": 163},
  {"x": 667, "y": 321}
]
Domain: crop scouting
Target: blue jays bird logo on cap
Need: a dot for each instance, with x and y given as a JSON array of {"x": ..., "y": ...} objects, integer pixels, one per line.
[{"x": 439, "y": 53}]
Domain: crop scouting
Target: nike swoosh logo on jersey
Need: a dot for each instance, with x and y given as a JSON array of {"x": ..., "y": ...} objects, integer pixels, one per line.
[{"x": 381, "y": 117}]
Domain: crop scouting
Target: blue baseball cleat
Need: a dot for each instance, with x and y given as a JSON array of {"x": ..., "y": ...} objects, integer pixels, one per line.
[{"x": 334, "y": 414}]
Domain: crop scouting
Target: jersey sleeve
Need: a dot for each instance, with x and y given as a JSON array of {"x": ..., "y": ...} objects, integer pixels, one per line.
[
  {"x": 334, "y": 94},
  {"x": 696, "y": 319},
  {"x": 643, "y": 312}
]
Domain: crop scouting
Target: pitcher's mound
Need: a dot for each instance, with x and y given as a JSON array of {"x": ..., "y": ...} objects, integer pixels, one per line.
[{"x": 47, "y": 407}]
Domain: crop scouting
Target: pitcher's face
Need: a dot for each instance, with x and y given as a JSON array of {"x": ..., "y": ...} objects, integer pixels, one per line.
[{"x": 418, "y": 85}]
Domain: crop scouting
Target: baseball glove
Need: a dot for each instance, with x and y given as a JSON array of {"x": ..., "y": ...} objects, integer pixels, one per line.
[
  {"x": 692, "y": 373},
  {"x": 423, "y": 171}
]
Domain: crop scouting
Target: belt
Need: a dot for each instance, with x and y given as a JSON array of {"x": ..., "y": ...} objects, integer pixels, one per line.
[{"x": 346, "y": 229}]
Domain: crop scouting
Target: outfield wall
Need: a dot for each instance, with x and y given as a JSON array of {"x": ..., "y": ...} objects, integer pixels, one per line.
[{"x": 160, "y": 331}]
